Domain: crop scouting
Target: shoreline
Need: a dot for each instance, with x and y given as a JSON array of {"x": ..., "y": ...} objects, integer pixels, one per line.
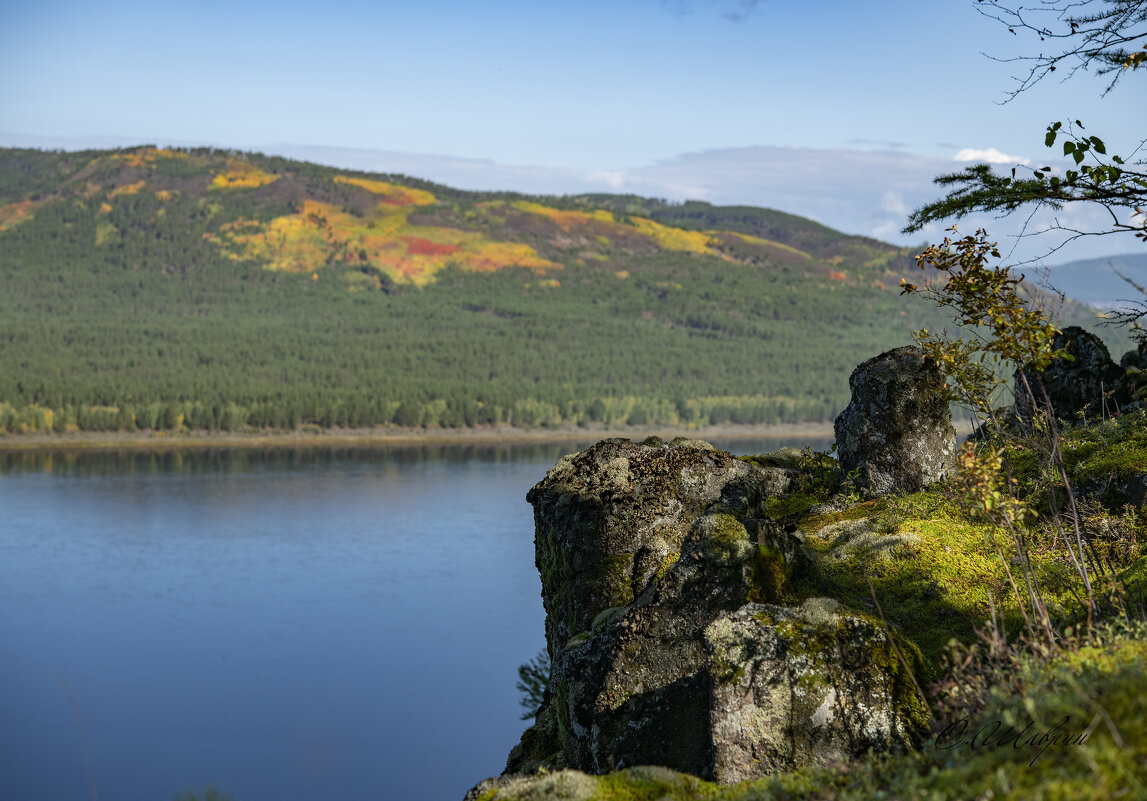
[{"x": 398, "y": 437}]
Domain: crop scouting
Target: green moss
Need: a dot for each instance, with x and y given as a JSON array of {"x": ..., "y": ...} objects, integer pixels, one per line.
[
  {"x": 607, "y": 616},
  {"x": 613, "y": 577},
  {"x": 722, "y": 533},
  {"x": 556, "y": 569},
  {"x": 561, "y": 710},
  {"x": 725, "y": 529},
  {"x": 666, "y": 563},
  {"x": 795, "y": 503},
  {"x": 816, "y": 476},
  {"x": 935, "y": 586},
  {"x": 770, "y": 572},
  {"x": 1135, "y": 576},
  {"x": 813, "y": 523},
  {"x": 578, "y": 639},
  {"x": 653, "y": 784}
]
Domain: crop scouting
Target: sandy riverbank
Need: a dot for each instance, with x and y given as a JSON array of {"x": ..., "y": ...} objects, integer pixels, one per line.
[{"x": 382, "y": 437}]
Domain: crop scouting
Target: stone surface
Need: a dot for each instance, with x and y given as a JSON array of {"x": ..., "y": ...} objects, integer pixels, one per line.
[
  {"x": 801, "y": 686},
  {"x": 896, "y": 433},
  {"x": 610, "y": 520},
  {"x": 662, "y": 578},
  {"x": 1075, "y": 386}
]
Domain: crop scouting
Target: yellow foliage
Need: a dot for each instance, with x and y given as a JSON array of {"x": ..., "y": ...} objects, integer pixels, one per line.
[
  {"x": 242, "y": 175},
  {"x": 392, "y": 193},
  {"x": 622, "y": 274},
  {"x": 147, "y": 156},
  {"x": 104, "y": 232},
  {"x": 673, "y": 238},
  {"x": 565, "y": 220},
  {"x": 756, "y": 240},
  {"x": 321, "y": 234},
  {"x": 126, "y": 189},
  {"x": 165, "y": 195},
  {"x": 105, "y": 208},
  {"x": 666, "y": 237}
]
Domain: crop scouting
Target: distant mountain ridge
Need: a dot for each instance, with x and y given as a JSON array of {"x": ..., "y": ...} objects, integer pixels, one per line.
[{"x": 1097, "y": 282}]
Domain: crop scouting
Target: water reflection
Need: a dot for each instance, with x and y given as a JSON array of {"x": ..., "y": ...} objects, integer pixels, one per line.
[{"x": 213, "y": 460}]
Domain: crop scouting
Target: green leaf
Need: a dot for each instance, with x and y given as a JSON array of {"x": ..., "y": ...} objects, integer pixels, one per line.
[
  {"x": 1049, "y": 140},
  {"x": 1068, "y": 147},
  {"x": 1097, "y": 143}
]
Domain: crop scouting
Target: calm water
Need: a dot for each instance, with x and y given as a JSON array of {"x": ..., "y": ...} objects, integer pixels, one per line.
[{"x": 282, "y": 625}]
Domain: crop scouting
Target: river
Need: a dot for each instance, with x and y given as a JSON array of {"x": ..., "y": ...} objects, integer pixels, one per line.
[{"x": 283, "y": 624}]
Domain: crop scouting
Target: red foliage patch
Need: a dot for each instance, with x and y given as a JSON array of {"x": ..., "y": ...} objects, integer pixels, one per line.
[
  {"x": 836, "y": 275},
  {"x": 416, "y": 246}
]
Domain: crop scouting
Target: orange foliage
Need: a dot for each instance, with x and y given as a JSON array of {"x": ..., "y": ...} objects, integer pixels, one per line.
[
  {"x": 105, "y": 208},
  {"x": 165, "y": 195},
  {"x": 16, "y": 213},
  {"x": 836, "y": 275},
  {"x": 417, "y": 246}
]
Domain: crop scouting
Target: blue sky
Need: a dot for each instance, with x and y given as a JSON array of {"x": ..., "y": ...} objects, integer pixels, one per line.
[{"x": 841, "y": 111}]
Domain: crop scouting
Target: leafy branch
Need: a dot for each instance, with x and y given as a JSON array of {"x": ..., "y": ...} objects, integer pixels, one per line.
[
  {"x": 1107, "y": 180},
  {"x": 1097, "y": 35}
]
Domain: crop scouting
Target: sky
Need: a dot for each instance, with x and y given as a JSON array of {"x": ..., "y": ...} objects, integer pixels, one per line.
[{"x": 841, "y": 111}]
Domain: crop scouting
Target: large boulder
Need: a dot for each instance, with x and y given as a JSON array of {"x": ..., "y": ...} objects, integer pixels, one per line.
[
  {"x": 1088, "y": 383},
  {"x": 664, "y": 584},
  {"x": 610, "y": 520},
  {"x": 896, "y": 433}
]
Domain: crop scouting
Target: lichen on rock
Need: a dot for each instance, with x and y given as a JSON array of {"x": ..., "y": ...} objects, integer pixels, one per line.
[
  {"x": 659, "y": 566},
  {"x": 896, "y": 433}
]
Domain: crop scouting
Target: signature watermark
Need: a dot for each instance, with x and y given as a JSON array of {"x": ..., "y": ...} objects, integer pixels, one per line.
[{"x": 995, "y": 734}]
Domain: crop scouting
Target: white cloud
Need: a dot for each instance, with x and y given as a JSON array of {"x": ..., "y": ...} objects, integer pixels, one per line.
[
  {"x": 991, "y": 155},
  {"x": 893, "y": 202}
]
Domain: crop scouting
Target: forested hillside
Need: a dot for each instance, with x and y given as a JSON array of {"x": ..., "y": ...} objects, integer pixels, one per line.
[{"x": 169, "y": 289}]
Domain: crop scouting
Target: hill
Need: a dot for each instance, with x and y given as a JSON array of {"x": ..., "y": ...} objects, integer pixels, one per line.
[
  {"x": 156, "y": 288},
  {"x": 1097, "y": 282}
]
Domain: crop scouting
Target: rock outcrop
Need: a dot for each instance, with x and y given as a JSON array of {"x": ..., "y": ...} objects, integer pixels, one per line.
[
  {"x": 896, "y": 433},
  {"x": 673, "y": 637},
  {"x": 1088, "y": 383}
]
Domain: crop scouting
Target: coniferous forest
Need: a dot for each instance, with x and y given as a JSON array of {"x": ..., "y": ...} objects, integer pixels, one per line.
[{"x": 150, "y": 289}]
